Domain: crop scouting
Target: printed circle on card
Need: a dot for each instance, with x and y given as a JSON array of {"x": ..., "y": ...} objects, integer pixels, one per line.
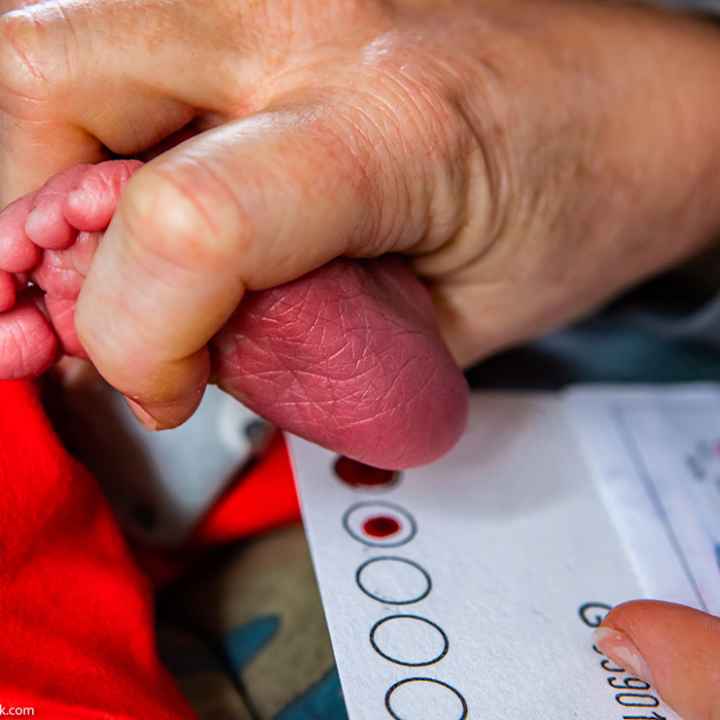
[
  {"x": 394, "y": 580},
  {"x": 409, "y": 640},
  {"x": 425, "y": 699},
  {"x": 380, "y": 524}
]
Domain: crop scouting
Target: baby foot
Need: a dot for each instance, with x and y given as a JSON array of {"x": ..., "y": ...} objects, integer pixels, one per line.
[
  {"x": 348, "y": 356},
  {"x": 47, "y": 240}
]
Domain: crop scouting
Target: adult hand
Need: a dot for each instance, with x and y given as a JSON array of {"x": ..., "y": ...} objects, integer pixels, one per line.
[
  {"x": 530, "y": 158},
  {"x": 523, "y": 155}
]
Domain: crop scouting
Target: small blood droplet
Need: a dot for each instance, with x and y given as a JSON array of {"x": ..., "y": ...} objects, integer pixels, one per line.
[
  {"x": 356, "y": 474},
  {"x": 381, "y": 526}
]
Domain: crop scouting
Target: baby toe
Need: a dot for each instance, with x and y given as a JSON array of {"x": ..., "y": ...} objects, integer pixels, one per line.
[
  {"x": 56, "y": 276},
  {"x": 28, "y": 345},
  {"x": 91, "y": 205},
  {"x": 17, "y": 251},
  {"x": 61, "y": 273},
  {"x": 46, "y": 225}
]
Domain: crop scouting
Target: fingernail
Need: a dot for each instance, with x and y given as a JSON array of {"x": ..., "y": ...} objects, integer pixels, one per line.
[
  {"x": 147, "y": 420},
  {"x": 622, "y": 650}
]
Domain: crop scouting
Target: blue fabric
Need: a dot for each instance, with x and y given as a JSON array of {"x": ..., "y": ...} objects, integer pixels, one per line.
[{"x": 245, "y": 642}]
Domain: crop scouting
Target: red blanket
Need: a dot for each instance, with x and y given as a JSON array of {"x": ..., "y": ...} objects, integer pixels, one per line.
[{"x": 77, "y": 620}]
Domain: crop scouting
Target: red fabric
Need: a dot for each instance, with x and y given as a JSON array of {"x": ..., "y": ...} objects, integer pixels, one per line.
[
  {"x": 264, "y": 498},
  {"x": 76, "y": 639}
]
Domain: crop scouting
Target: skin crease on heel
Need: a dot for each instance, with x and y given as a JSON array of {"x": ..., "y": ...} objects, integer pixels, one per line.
[{"x": 336, "y": 356}]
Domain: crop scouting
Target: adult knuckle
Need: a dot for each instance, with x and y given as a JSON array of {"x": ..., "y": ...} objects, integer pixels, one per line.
[
  {"x": 420, "y": 145},
  {"x": 352, "y": 148},
  {"x": 22, "y": 52},
  {"x": 454, "y": 108},
  {"x": 38, "y": 44}
]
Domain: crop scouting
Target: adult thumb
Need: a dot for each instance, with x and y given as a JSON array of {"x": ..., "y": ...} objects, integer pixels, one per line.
[
  {"x": 248, "y": 206},
  {"x": 672, "y": 647}
]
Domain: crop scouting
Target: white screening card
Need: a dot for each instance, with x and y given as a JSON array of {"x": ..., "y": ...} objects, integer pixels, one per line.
[{"x": 470, "y": 588}]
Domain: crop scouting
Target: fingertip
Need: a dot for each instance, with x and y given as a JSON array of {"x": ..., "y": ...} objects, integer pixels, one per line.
[
  {"x": 621, "y": 649},
  {"x": 673, "y": 647},
  {"x": 156, "y": 416},
  {"x": 165, "y": 392}
]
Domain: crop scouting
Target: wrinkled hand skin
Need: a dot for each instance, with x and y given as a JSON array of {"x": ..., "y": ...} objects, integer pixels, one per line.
[{"x": 530, "y": 159}]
